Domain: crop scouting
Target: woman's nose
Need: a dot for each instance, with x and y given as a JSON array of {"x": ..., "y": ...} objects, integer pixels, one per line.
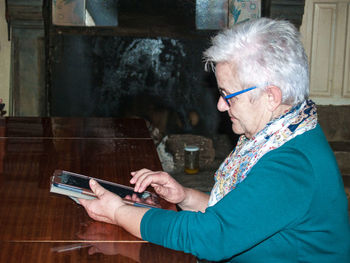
[{"x": 222, "y": 105}]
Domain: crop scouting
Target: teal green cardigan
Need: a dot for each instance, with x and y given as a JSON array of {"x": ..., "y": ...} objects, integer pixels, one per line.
[{"x": 291, "y": 207}]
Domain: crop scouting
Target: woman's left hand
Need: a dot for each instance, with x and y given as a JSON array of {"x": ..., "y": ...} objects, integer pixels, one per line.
[{"x": 105, "y": 207}]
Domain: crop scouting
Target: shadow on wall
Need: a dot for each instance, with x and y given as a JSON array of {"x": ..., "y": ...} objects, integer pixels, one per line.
[{"x": 159, "y": 79}]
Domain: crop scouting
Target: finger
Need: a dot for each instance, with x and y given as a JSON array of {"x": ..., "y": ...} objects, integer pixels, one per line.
[
  {"x": 154, "y": 178},
  {"x": 135, "y": 198},
  {"x": 140, "y": 179},
  {"x": 82, "y": 202},
  {"x": 89, "y": 207},
  {"x": 85, "y": 202},
  {"x": 135, "y": 175},
  {"x": 135, "y": 172},
  {"x": 143, "y": 170},
  {"x": 98, "y": 190}
]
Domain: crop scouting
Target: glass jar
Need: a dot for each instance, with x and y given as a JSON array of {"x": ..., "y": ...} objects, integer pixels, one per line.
[{"x": 191, "y": 159}]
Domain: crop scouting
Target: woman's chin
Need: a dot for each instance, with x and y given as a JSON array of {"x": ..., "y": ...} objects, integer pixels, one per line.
[{"x": 237, "y": 129}]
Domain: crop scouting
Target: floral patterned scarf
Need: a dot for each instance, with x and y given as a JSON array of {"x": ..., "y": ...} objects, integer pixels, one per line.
[{"x": 236, "y": 166}]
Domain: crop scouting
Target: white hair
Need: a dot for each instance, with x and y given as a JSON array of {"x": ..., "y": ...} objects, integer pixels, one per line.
[{"x": 264, "y": 52}]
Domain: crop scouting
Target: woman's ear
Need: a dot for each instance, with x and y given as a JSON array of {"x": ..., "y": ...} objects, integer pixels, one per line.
[{"x": 274, "y": 96}]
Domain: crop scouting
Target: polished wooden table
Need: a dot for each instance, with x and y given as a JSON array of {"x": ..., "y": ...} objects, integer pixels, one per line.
[{"x": 39, "y": 226}]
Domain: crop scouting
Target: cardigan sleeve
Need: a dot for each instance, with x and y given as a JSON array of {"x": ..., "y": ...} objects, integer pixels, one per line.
[{"x": 275, "y": 195}]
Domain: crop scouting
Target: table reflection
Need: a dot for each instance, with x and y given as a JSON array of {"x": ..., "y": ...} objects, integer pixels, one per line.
[
  {"x": 123, "y": 249},
  {"x": 117, "y": 251}
]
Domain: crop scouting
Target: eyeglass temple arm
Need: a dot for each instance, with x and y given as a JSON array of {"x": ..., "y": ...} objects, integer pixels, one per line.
[{"x": 239, "y": 92}]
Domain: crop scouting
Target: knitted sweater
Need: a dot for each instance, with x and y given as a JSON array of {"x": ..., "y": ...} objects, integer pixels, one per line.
[{"x": 291, "y": 208}]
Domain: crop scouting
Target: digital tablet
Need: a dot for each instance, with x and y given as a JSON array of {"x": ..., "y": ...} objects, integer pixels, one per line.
[{"x": 77, "y": 186}]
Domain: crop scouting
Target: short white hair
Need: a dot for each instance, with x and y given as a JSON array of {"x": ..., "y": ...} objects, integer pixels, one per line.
[{"x": 264, "y": 52}]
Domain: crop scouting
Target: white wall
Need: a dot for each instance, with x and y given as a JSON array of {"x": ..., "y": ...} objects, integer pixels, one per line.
[{"x": 5, "y": 54}]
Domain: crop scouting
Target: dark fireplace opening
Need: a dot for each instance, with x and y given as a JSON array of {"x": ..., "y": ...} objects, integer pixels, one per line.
[
  {"x": 149, "y": 66},
  {"x": 160, "y": 79}
]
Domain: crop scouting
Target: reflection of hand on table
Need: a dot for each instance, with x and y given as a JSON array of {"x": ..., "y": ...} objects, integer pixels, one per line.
[
  {"x": 97, "y": 231},
  {"x": 94, "y": 231},
  {"x": 129, "y": 250}
]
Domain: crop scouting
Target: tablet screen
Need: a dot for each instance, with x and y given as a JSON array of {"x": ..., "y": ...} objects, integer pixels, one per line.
[{"x": 81, "y": 181}]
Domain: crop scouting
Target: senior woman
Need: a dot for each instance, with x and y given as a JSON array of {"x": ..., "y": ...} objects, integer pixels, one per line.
[{"x": 278, "y": 196}]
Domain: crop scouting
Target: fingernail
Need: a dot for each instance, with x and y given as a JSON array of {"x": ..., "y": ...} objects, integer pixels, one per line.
[{"x": 93, "y": 182}]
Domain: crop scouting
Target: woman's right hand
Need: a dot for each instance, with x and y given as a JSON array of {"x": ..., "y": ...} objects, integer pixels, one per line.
[{"x": 164, "y": 185}]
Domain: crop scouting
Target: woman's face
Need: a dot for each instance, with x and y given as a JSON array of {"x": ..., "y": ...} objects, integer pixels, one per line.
[{"x": 247, "y": 117}]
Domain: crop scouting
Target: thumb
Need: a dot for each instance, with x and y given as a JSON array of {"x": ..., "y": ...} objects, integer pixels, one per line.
[{"x": 98, "y": 190}]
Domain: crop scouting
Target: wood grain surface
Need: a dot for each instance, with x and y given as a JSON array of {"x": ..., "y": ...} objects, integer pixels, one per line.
[{"x": 39, "y": 226}]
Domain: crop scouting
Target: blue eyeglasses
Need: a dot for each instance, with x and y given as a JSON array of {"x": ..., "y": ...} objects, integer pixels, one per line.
[{"x": 227, "y": 97}]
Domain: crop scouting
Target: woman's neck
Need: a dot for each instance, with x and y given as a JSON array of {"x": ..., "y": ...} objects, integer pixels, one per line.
[{"x": 280, "y": 110}]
